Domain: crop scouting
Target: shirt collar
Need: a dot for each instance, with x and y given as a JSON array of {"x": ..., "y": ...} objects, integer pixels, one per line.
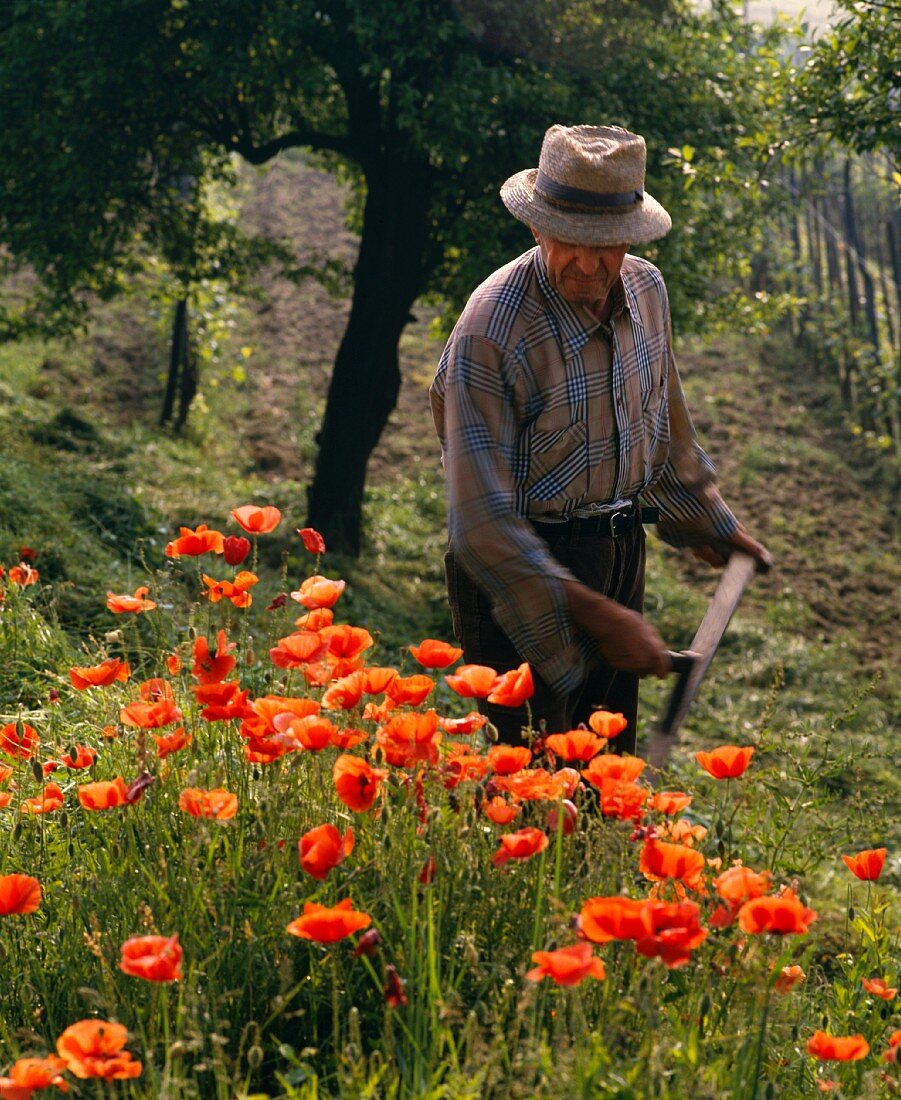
[{"x": 578, "y": 324}]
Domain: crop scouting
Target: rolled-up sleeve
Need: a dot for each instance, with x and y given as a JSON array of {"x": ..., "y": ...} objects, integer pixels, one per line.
[{"x": 475, "y": 415}]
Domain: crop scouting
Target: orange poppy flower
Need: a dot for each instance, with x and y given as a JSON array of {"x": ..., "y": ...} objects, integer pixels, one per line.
[
  {"x": 739, "y": 884},
  {"x": 191, "y": 544},
  {"x": 19, "y": 894},
  {"x": 409, "y": 737},
  {"x": 107, "y": 672},
  {"x": 621, "y": 799},
  {"x": 532, "y": 785},
  {"x": 168, "y": 743},
  {"x": 669, "y": 802},
  {"x": 865, "y": 865},
  {"x": 19, "y": 740},
  {"x": 434, "y": 654},
  {"x": 316, "y": 619},
  {"x": 520, "y": 845},
  {"x": 789, "y": 977},
  {"x": 509, "y": 759},
  {"x": 260, "y": 721},
  {"x": 660, "y": 860},
  {"x": 681, "y": 831},
  {"x": 93, "y": 1048},
  {"x": 318, "y": 591},
  {"x": 575, "y": 744},
  {"x": 567, "y": 965},
  {"x": 103, "y": 796},
  {"x": 726, "y": 762},
  {"x": 677, "y": 932},
  {"x": 237, "y": 591},
  {"x": 313, "y": 733},
  {"x": 298, "y": 649},
  {"x": 150, "y": 716},
  {"x": 462, "y": 727},
  {"x": 837, "y": 1048},
  {"x": 460, "y": 765},
  {"x": 346, "y": 643},
  {"x": 346, "y": 693},
  {"x": 23, "y": 574},
  {"x": 121, "y": 605},
  {"x": 614, "y": 918},
  {"x": 513, "y": 688},
  {"x": 894, "y": 1045},
  {"x": 5, "y": 773},
  {"x": 781, "y": 915},
  {"x": 375, "y": 679},
  {"x": 257, "y": 520},
  {"x": 409, "y": 691},
  {"x": 607, "y": 723},
  {"x": 222, "y": 702},
  {"x": 323, "y": 848},
  {"x": 611, "y": 766},
  {"x": 570, "y": 778},
  {"x": 312, "y": 540},
  {"x": 28, "y": 1074},
  {"x": 153, "y": 958},
  {"x": 212, "y": 668},
  {"x": 218, "y": 803},
  {"x": 5, "y": 799},
  {"x": 49, "y": 800},
  {"x": 472, "y": 681},
  {"x": 328, "y": 925},
  {"x": 879, "y": 988},
  {"x": 356, "y": 782},
  {"x": 500, "y": 811},
  {"x": 155, "y": 689}
]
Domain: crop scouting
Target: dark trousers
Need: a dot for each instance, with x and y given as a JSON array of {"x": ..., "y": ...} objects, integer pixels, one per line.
[{"x": 613, "y": 567}]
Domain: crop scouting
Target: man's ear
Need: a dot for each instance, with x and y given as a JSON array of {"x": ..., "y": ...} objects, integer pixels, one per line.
[{"x": 535, "y": 234}]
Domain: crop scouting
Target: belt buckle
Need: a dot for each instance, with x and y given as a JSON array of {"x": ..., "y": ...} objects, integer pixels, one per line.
[{"x": 618, "y": 523}]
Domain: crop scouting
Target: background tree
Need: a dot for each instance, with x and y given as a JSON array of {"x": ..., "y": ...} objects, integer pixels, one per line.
[{"x": 423, "y": 107}]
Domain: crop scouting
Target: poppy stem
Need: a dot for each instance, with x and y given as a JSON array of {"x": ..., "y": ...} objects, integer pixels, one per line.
[
  {"x": 761, "y": 1035},
  {"x": 539, "y": 902}
]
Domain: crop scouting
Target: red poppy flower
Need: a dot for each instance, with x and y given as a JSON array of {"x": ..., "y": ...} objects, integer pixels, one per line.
[
  {"x": 500, "y": 811},
  {"x": 726, "y": 762},
  {"x": 153, "y": 958},
  {"x": 76, "y": 759},
  {"x": 218, "y": 803},
  {"x": 462, "y": 727},
  {"x": 520, "y": 845},
  {"x": 567, "y": 965},
  {"x": 168, "y": 743},
  {"x": 513, "y": 688},
  {"x": 213, "y": 667},
  {"x": 611, "y": 766},
  {"x": 409, "y": 690},
  {"x": 356, "y": 782},
  {"x": 315, "y": 620},
  {"x": 532, "y": 785},
  {"x": 150, "y": 716},
  {"x": 348, "y": 738},
  {"x": 509, "y": 759},
  {"x": 313, "y": 733},
  {"x": 5, "y": 799},
  {"x": 739, "y": 884},
  {"x": 312, "y": 540},
  {"x": 677, "y": 932},
  {"x": 621, "y": 799},
  {"x": 328, "y": 925},
  {"x": 669, "y": 802},
  {"x": 434, "y": 654},
  {"x": 93, "y": 1048},
  {"x": 393, "y": 991},
  {"x": 107, "y": 672},
  {"x": 837, "y": 1048},
  {"x": 5, "y": 773},
  {"x": 257, "y": 520},
  {"x": 472, "y": 681},
  {"x": 260, "y": 722},
  {"x": 614, "y": 918},
  {"x": 28, "y": 1074},
  {"x": 235, "y": 549},
  {"x": 120, "y": 605},
  {"x": 19, "y": 894},
  {"x": 781, "y": 915},
  {"x": 323, "y": 848},
  {"x": 103, "y": 796},
  {"x": 191, "y": 544},
  {"x": 222, "y": 702},
  {"x": 607, "y": 723},
  {"x": 789, "y": 977},
  {"x": 660, "y": 860},
  {"x": 237, "y": 591},
  {"x": 19, "y": 740},
  {"x": 298, "y": 649},
  {"x": 879, "y": 987},
  {"x": 575, "y": 744},
  {"x": 409, "y": 737},
  {"x": 346, "y": 693},
  {"x": 317, "y": 592},
  {"x": 23, "y": 575},
  {"x": 865, "y": 865},
  {"x": 49, "y": 800},
  {"x": 460, "y": 765},
  {"x": 566, "y": 821}
]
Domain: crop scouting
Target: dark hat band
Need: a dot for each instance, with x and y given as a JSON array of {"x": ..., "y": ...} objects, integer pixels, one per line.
[{"x": 558, "y": 194}]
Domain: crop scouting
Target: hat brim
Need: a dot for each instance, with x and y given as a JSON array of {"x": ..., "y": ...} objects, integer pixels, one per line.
[{"x": 645, "y": 221}]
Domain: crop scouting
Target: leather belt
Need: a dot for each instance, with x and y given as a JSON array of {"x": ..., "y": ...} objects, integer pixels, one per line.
[{"x": 611, "y": 525}]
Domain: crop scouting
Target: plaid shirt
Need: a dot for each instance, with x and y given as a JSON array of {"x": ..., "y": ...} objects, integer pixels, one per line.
[{"x": 542, "y": 413}]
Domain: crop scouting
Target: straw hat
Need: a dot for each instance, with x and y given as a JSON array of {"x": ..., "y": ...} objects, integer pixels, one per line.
[{"x": 588, "y": 188}]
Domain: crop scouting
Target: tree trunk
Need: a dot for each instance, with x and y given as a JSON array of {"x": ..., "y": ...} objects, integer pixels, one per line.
[
  {"x": 189, "y": 376},
  {"x": 177, "y": 352},
  {"x": 366, "y": 378}
]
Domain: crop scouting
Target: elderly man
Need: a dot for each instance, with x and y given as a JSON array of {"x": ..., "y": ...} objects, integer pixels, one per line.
[{"x": 563, "y": 429}]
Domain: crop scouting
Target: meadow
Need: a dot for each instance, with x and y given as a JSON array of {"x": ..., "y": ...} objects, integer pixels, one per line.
[{"x": 266, "y": 854}]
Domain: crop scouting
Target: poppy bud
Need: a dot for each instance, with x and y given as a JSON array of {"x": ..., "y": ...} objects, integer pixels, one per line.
[
  {"x": 137, "y": 787},
  {"x": 394, "y": 989},
  {"x": 427, "y": 874},
  {"x": 53, "y": 696},
  {"x": 368, "y": 943},
  {"x": 570, "y": 814},
  {"x": 235, "y": 549},
  {"x": 280, "y": 600}
]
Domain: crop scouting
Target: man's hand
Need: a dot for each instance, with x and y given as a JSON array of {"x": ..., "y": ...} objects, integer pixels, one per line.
[
  {"x": 717, "y": 553},
  {"x": 626, "y": 640}
]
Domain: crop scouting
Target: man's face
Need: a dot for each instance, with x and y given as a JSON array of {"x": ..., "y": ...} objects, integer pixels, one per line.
[{"x": 582, "y": 273}]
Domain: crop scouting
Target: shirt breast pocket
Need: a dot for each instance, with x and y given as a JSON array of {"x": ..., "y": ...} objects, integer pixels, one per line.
[
  {"x": 558, "y": 461},
  {"x": 653, "y": 400}
]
